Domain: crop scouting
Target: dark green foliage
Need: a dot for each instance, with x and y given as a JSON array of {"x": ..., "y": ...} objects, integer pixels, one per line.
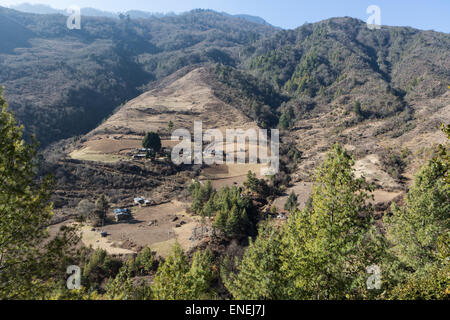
[
  {"x": 259, "y": 186},
  {"x": 340, "y": 59},
  {"x": 170, "y": 125},
  {"x": 419, "y": 234},
  {"x": 323, "y": 251},
  {"x": 100, "y": 211},
  {"x": 31, "y": 264},
  {"x": 256, "y": 98},
  {"x": 152, "y": 141},
  {"x": 201, "y": 194},
  {"x": 100, "y": 266},
  {"x": 235, "y": 215},
  {"x": 177, "y": 279},
  {"x": 64, "y": 82},
  {"x": 123, "y": 286},
  {"x": 357, "y": 109},
  {"x": 233, "y": 212},
  {"x": 145, "y": 262},
  {"x": 287, "y": 118},
  {"x": 330, "y": 244},
  {"x": 291, "y": 203},
  {"x": 259, "y": 274}
]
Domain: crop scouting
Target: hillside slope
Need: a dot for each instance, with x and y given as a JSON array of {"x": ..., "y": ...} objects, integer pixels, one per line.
[
  {"x": 62, "y": 82},
  {"x": 102, "y": 161},
  {"x": 340, "y": 61}
]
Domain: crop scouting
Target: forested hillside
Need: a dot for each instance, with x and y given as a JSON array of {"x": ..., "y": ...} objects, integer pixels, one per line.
[
  {"x": 63, "y": 82},
  {"x": 359, "y": 208},
  {"x": 341, "y": 61}
]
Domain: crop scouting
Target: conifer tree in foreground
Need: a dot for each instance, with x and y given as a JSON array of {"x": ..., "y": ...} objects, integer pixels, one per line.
[
  {"x": 28, "y": 268},
  {"x": 420, "y": 234},
  {"x": 176, "y": 279},
  {"x": 259, "y": 272},
  {"x": 324, "y": 250},
  {"x": 330, "y": 244}
]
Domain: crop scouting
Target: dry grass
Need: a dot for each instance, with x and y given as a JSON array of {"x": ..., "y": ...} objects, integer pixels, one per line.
[{"x": 87, "y": 154}]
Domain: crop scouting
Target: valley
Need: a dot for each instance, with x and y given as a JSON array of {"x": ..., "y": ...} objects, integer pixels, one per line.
[{"x": 91, "y": 173}]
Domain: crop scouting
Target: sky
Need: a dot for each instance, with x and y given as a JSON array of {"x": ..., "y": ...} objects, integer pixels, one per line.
[{"x": 288, "y": 14}]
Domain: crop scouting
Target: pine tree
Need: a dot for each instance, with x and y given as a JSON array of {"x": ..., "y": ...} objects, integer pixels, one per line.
[
  {"x": 415, "y": 228},
  {"x": 145, "y": 261},
  {"x": 152, "y": 141},
  {"x": 25, "y": 213},
  {"x": 201, "y": 195},
  {"x": 122, "y": 286},
  {"x": 233, "y": 223},
  {"x": 201, "y": 275},
  {"x": 357, "y": 109},
  {"x": 330, "y": 244},
  {"x": 419, "y": 234},
  {"x": 101, "y": 210},
  {"x": 286, "y": 118},
  {"x": 220, "y": 222},
  {"x": 209, "y": 209},
  {"x": 259, "y": 274},
  {"x": 291, "y": 203},
  {"x": 170, "y": 279},
  {"x": 176, "y": 279}
]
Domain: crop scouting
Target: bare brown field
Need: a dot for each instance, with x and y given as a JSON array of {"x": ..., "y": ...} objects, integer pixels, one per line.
[
  {"x": 369, "y": 167},
  {"x": 182, "y": 101},
  {"x": 157, "y": 227}
]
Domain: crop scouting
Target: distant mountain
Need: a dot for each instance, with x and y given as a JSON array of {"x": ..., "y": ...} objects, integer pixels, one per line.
[
  {"x": 137, "y": 14},
  {"x": 36, "y": 8},
  {"x": 250, "y": 18},
  {"x": 92, "y": 12},
  {"x": 133, "y": 14},
  {"x": 63, "y": 82},
  {"x": 340, "y": 61}
]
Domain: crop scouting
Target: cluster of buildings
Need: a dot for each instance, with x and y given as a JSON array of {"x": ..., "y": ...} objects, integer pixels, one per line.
[
  {"x": 141, "y": 153},
  {"x": 142, "y": 201},
  {"x": 138, "y": 154},
  {"x": 122, "y": 214}
]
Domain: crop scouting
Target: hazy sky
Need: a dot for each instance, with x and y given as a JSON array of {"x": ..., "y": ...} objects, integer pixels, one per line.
[{"x": 422, "y": 14}]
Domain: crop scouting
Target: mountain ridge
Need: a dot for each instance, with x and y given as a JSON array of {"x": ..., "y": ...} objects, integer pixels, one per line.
[
  {"x": 88, "y": 73},
  {"x": 133, "y": 14}
]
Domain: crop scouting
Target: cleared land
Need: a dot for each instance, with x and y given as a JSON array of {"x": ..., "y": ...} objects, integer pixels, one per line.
[
  {"x": 190, "y": 98},
  {"x": 155, "y": 227}
]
